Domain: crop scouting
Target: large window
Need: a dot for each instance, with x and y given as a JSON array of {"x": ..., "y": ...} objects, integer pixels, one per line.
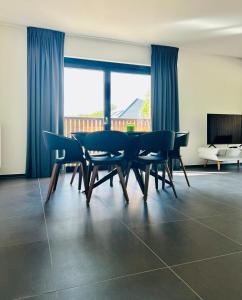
[
  {"x": 84, "y": 93},
  {"x": 102, "y": 95},
  {"x": 130, "y": 101}
]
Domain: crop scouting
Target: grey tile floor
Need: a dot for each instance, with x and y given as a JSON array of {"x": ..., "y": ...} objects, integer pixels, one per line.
[{"x": 167, "y": 248}]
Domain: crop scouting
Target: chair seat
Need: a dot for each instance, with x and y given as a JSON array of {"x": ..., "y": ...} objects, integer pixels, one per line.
[
  {"x": 151, "y": 158},
  {"x": 62, "y": 160},
  {"x": 106, "y": 160}
]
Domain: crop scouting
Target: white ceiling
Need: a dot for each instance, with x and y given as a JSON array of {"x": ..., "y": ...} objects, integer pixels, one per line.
[{"x": 212, "y": 26}]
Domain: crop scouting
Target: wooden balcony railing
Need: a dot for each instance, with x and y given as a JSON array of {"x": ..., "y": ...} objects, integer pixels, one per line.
[{"x": 86, "y": 124}]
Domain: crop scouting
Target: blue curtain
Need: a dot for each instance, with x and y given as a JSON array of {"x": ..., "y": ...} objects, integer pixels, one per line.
[
  {"x": 45, "y": 96},
  {"x": 164, "y": 88}
]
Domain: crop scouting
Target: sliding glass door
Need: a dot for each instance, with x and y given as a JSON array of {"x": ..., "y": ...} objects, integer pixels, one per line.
[
  {"x": 83, "y": 100},
  {"x": 130, "y": 101},
  {"x": 101, "y": 95}
]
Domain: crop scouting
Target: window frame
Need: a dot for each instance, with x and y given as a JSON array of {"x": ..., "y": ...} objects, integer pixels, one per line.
[{"x": 107, "y": 68}]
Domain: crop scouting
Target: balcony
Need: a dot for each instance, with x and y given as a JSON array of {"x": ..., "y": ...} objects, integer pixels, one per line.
[{"x": 88, "y": 124}]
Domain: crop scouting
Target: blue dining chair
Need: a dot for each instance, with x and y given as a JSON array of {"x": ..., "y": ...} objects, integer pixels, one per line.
[
  {"x": 153, "y": 149},
  {"x": 181, "y": 140},
  {"x": 79, "y": 137},
  {"x": 72, "y": 153},
  {"x": 114, "y": 144}
]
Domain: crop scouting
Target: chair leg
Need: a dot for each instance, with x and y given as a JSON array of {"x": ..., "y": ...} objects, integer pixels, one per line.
[
  {"x": 184, "y": 171},
  {"x": 147, "y": 176},
  {"x": 170, "y": 178},
  {"x": 170, "y": 166},
  {"x": 127, "y": 173},
  {"x": 93, "y": 177},
  {"x": 56, "y": 177},
  {"x": 110, "y": 168},
  {"x": 85, "y": 175},
  {"x": 122, "y": 181},
  {"x": 163, "y": 177},
  {"x": 142, "y": 175},
  {"x": 74, "y": 173},
  {"x": 90, "y": 169},
  {"x": 89, "y": 172},
  {"x": 52, "y": 181},
  {"x": 80, "y": 177},
  {"x": 156, "y": 176},
  {"x": 205, "y": 163}
]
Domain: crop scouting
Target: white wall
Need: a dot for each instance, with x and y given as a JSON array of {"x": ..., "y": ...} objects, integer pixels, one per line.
[
  {"x": 207, "y": 84},
  {"x": 101, "y": 49},
  {"x": 13, "y": 98}
]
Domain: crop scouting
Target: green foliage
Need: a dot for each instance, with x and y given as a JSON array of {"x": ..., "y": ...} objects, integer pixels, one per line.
[
  {"x": 145, "y": 110},
  {"x": 97, "y": 114}
]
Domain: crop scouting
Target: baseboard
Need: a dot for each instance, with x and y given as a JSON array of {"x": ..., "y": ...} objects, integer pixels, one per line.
[
  {"x": 70, "y": 169},
  {"x": 12, "y": 176},
  {"x": 210, "y": 164}
]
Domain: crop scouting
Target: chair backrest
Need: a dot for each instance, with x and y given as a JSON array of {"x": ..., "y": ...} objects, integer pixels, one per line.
[
  {"x": 157, "y": 141},
  {"x": 106, "y": 141},
  {"x": 181, "y": 140},
  {"x": 80, "y": 137},
  {"x": 53, "y": 141}
]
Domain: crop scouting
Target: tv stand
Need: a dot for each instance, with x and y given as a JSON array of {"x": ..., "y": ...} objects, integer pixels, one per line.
[{"x": 219, "y": 155}]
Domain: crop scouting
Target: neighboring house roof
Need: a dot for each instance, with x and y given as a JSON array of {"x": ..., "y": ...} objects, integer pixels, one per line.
[
  {"x": 116, "y": 114},
  {"x": 133, "y": 111}
]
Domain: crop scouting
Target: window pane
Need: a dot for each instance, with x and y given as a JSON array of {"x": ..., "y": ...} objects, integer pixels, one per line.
[
  {"x": 83, "y": 100},
  {"x": 130, "y": 101}
]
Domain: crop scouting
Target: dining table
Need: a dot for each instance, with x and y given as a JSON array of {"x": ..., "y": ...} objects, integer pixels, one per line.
[{"x": 130, "y": 163}]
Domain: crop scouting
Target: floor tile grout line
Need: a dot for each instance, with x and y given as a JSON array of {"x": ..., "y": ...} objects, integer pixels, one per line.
[
  {"x": 161, "y": 260},
  {"x": 96, "y": 283},
  {"x": 46, "y": 228},
  {"x": 36, "y": 295},
  {"x": 206, "y": 226},
  {"x": 214, "y": 200},
  {"x": 218, "y": 232},
  {"x": 128, "y": 275},
  {"x": 189, "y": 218},
  {"x": 168, "y": 267},
  {"x": 157, "y": 256},
  {"x": 136, "y": 274},
  {"x": 47, "y": 233},
  {"x": 23, "y": 244},
  {"x": 113, "y": 279},
  {"x": 186, "y": 217},
  {"x": 227, "y": 215},
  {"x": 133, "y": 274},
  {"x": 206, "y": 259}
]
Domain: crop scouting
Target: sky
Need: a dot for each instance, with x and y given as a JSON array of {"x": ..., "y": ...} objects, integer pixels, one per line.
[{"x": 84, "y": 90}]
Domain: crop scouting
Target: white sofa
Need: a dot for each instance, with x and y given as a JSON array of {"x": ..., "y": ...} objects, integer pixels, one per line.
[{"x": 220, "y": 155}]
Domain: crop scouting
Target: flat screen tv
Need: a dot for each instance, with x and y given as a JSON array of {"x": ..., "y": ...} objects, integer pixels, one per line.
[{"x": 224, "y": 129}]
